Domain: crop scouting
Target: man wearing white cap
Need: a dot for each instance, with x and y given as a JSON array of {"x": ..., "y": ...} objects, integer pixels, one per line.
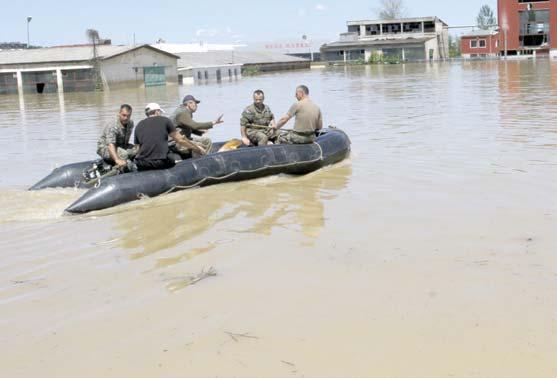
[{"x": 151, "y": 137}]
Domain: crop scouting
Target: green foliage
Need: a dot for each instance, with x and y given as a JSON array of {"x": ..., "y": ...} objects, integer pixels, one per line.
[
  {"x": 251, "y": 70},
  {"x": 377, "y": 58},
  {"x": 486, "y": 18},
  {"x": 454, "y": 46}
]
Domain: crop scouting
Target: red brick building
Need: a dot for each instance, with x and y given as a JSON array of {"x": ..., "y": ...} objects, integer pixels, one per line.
[
  {"x": 480, "y": 44},
  {"x": 527, "y": 27}
]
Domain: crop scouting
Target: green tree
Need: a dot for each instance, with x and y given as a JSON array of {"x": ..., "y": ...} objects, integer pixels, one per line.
[
  {"x": 486, "y": 18},
  {"x": 454, "y": 46}
]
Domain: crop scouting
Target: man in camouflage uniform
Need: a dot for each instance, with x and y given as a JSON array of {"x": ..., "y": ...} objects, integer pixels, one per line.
[
  {"x": 257, "y": 124},
  {"x": 308, "y": 119},
  {"x": 113, "y": 145},
  {"x": 183, "y": 120}
]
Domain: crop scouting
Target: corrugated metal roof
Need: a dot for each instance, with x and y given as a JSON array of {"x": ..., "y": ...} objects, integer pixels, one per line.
[
  {"x": 65, "y": 54},
  {"x": 377, "y": 42},
  {"x": 222, "y": 58}
]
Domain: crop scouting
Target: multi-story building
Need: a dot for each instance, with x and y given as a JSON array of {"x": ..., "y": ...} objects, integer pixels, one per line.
[
  {"x": 527, "y": 27},
  {"x": 407, "y": 39}
]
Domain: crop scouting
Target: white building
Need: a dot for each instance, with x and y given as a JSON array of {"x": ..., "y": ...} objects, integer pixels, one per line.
[
  {"x": 75, "y": 68},
  {"x": 407, "y": 39}
]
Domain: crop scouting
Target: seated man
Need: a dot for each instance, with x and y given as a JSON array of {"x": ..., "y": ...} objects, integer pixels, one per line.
[
  {"x": 257, "y": 124},
  {"x": 308, "y": 119},
  {"x": 113, "y": 145},
  {"x": 151, "y": 138},
  {"x": 184, "y": 123}
]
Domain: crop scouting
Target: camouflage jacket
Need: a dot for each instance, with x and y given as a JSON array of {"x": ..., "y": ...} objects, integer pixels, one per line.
[
  {"x": 253, "y": 116},
  {"x": 115, "y": 133}
]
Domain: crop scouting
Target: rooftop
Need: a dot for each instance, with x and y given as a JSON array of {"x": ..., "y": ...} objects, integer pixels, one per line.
[
  {"x": 222, "y": 58},
  {"x": 67, "y": 54},
  {"x": 480, "y": 33},
  {"x": 378, "y": 42},
  {"x": 395, "y": 21}
]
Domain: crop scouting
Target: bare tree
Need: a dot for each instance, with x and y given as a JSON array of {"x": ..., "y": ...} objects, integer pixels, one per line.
[
  {"x": 391, "y": 9},
  {"x": 485, "y": 18},
  {"x": 94, "y": 39}
]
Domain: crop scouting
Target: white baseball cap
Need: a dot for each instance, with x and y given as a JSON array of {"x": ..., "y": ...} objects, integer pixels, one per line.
[{"x": 153, "y": 106}]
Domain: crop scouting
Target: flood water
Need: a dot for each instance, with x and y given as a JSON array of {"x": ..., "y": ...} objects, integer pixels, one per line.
[{"x": 430, "y": 252}]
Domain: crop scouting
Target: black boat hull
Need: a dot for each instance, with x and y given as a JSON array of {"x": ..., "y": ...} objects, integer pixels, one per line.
[{"x": 241, "y": 164}]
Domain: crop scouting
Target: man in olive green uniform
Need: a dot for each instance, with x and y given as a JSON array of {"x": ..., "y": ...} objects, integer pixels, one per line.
[
  {"x": 308, "y": 119},
  {"x": 113, "y": 144},
  {"x": 183, "y": 120},
  {"x": 257, "y": 124}
]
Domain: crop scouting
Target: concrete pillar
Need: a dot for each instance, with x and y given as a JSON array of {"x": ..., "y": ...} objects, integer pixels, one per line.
[
  {"x": 59, "y": 80},
  {"x": 380, "y": 29},
  {"x": 403, "y": 55},
  {"x": 362, "y": 30},
  {"x": 401, "y": 28},
  {"x": 19, "y": 82},
  {"x": 423, "y": 27}
]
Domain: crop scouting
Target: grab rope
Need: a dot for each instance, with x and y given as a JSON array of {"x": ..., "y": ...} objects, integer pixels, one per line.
[{"x": 231, "y": 174}]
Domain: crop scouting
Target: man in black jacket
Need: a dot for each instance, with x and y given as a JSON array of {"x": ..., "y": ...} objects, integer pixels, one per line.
[{"x": 151, "y": 138}]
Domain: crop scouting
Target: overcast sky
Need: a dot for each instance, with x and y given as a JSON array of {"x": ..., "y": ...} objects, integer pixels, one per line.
[{"x": 64, "y": 22}]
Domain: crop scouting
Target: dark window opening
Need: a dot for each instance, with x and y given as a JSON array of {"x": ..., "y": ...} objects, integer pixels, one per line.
[
  {"x": 412, "y": 27},
  {"x": 373, "y": 29},
  {"x": 429, "y": 27},
  {"x": 391, "y": 28},
  {"x": 40, "y": 87}
]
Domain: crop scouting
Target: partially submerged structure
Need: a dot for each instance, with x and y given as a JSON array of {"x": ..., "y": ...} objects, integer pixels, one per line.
[
  {"x": 480, "y": 44},
  {"x": 227, "y": 65},
  {"x": 407, "y": 39},
  {"x": 85, "y": 68},
  {"x": 527, "y": 27}
]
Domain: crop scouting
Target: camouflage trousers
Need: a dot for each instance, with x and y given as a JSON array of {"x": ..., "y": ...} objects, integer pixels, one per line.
[
  {"x": 261, "y": 137},
  {"x": 187, "y": 153},
  {"x": 124, "y": 154},
  {"x": 293, "y": 137}
]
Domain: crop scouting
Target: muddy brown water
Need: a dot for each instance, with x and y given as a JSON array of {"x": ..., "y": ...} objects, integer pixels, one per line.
[{"x": 431, "y": 252}]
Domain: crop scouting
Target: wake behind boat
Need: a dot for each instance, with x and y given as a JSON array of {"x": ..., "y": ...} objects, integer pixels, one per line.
[{"x": 331, "y": 146}]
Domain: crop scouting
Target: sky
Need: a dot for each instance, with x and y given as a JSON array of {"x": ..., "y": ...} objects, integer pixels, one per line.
[{"x": 65, "y": 22}]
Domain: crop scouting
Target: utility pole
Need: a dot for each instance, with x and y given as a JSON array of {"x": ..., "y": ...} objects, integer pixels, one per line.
[{"x": 29, "y": 18}]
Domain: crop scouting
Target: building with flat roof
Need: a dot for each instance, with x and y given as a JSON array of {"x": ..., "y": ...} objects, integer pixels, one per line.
[
  {"x": 76, "y": 68},
  {"x": 407, "y": 39},
  {"x": 527, "y": 27},
  {"x": 480, "y": 44}
]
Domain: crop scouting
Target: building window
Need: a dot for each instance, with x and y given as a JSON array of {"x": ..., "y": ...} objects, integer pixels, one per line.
[
  {"x": 482, "y": 42},
  {"x": 199, "y": 75},
  {"x": 206, "y": 75},
  {"x": 473, "y": 44},
  {"x": 496, "y": 43}
]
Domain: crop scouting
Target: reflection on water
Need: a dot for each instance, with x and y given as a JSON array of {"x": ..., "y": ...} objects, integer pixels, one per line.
[
  {"x": 255, "y": 207},
  {"x": 450, "y": 186}
]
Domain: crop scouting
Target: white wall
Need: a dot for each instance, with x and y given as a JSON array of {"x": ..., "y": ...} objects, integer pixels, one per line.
[{"x": 128, "y": 68}]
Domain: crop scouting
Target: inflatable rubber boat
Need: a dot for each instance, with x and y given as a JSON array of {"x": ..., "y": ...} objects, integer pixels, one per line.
[{"x": 331, "y": 146}]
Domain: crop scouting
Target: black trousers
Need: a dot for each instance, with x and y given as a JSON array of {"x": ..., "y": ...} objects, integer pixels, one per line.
[{"x": 148, "y": 165}]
